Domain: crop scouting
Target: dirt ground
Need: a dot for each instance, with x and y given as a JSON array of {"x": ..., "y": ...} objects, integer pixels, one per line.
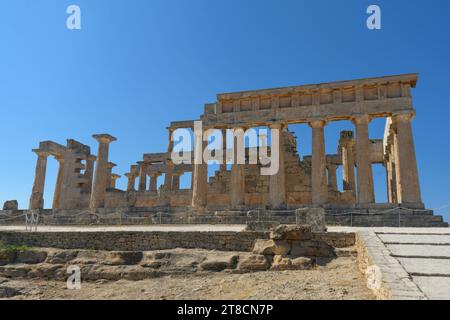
[{"x": 338, "y": 280}]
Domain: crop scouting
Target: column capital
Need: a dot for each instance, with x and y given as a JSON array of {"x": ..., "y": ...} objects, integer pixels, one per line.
[
  {"x": 111, "y": 165},
  {"x": 403, "y": 116},
  {"x": 317, "y": 123},
  {"x": 104, "y": 138},
  {"x": 41, "y": 153},
  {"x": 361, "y": 119},
  {"x": 276, "y": 125}
]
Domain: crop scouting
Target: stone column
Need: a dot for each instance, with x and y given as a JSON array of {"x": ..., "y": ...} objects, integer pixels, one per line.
[
  {"x": 131, "y": 181},
  {"x": 319, "y": 189},
  {"x": 110, "y": 174},
  {"x": 200, "y": 174},
  {"x": 101, "y": 171},
  {"x": 170, "y": 145},
  {"x": 332, "y": 180},
  {"x": 175, "y": 182},
  {"x": 348, "y": 161},
  {"x": 114, "y": 178},
  {"x": 142, "y": 177},
  {"x": 408, "y": 178},
  {"x": 89, "y": 172},
  {"x": 277, "y": 182},
  {"x": 237, "y": 188},
  {"x": 363, "y": 164},
  {"x": 37, "y": 195},
  {"x": 168, "y": 176},
  {"x": 59, "y": 181},
  {"x": 153, "y": 182},
  {"x": 223, "y": 166}
]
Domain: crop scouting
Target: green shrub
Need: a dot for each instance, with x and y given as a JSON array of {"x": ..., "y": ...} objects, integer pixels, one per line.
[{"x": 8, "y": 251}]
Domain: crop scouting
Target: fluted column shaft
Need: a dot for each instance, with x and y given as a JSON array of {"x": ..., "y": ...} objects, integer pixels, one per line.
[
  {"x": 408, "y": 178},
  {"x": 37, "y": 196},
  {"x": 364, "y": 166},
  {"x": 101, "y": 182},
  {"x": 319, "y": 189},
  {"x": 237, "y": 188},
  {"x": 277, "y": 182}
]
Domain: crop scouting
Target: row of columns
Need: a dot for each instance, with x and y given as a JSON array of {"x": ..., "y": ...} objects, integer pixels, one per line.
[
  {"x": 407, "y": 181},
  {"x": 171, "y": 180}
]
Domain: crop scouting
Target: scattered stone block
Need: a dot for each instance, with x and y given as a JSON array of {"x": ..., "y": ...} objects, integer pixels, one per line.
[
  {"x": 11, "y": 205},
  {"x": 219, "y": 263},
  {"x": 253, "y": 262},
  {"x": 281, "y": 263},
  {"x": 271, "y": 247},
  {"x": 289, "y": 232},
  {"x": 315, "y": 217}
]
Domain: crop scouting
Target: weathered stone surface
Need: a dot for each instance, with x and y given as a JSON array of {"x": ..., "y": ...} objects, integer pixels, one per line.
[
  {"x": 253, "y": 262},
  {"x": 11, "y": 205},
  {"x": 31, "y": 256},
  {"x": 62, "y": 256},
  {"x": 7, "y": 257},
  {"x": 15, "y": 270},
  {"x": 281, "y": 262},
  {"x": 271, "y": 247},
  {"x": 289, "y": 232},
  {"x": 8, "y": 292},
  {"x": 219, "y": 262},
  {"x": 123, "y": 258},
  {"x": 47, "y": 271},
  {"x": 315, "y": 217},
  {"x": 311, "y": 248}
]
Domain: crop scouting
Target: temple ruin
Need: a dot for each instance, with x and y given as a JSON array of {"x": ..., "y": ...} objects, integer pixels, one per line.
[{"x": 87, "y": 182}]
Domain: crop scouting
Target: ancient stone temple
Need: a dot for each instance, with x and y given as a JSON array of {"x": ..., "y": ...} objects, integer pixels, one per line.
[{"x": 87, "y": 182}]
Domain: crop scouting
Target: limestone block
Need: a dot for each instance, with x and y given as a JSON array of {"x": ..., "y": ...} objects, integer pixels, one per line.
[
  {"x": 253, "y": 262},
  {"x": 281, "y": 262},
  {"x": 311, "y": 248},
  {"x": 288, "y": 232},
  {"x": 219, "y": 262},
  {"x": 315, "y": 217},
  {"x": 11, "y": 205},
  {"x": 271, "y": 247},
  {"x": 48, "y": 271}
]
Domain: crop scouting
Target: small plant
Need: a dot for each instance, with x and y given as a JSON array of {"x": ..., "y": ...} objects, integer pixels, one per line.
[{"x": 10, "y": 251}]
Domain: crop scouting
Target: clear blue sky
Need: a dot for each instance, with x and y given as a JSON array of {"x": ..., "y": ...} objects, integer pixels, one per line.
[{"x": 136, "y": 65}]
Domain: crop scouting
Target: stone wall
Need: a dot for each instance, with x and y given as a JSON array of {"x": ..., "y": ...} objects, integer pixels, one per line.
[{"x": 155, "y": 240}]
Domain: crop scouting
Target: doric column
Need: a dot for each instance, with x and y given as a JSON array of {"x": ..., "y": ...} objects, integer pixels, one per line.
[
  {"x": 37, "y": 195},
  {"x": 200, "y": 173},
  {"x": 363, "y": 164},
  {"x": 89, "y": 172},
  {"x": 131, "y": 181},
  {"x": 175, "y": 182},
  {"x": 277, "y": 182},
  {"x": 237, "y": 188},
  {"x": 101, "y": 171},
  {"x": 408, "y": 177},
  {"x": 319, "y": 189},
  {"x": 142, "y": 177},
  {"x": 153, "y": 182},
  {"x": 332, "y": 180},
  {"x": 348, "y": 161},
  {"x": 59, "y": 181},
  {"x": 223, "y": 166},
  {"x": 114, "y": 178},
  {"x": 109, "y": 173},
  {"x": 168, "y": 176}
]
